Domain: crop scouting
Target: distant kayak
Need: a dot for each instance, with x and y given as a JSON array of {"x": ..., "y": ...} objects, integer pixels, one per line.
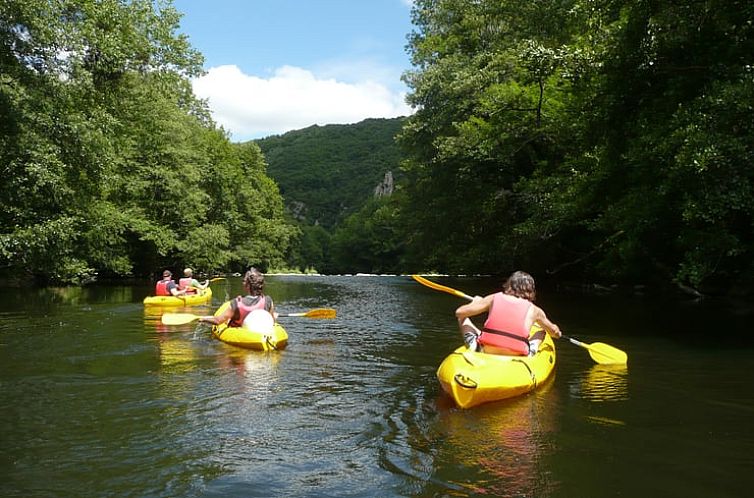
[
  {"x": 271, "y": 338},
  {"x": 472, "y": 378},
  {"x": 202, "y": 296}
]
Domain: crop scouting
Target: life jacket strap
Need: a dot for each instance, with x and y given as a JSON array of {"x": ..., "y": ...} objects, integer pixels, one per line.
[{"x": 525, "y": 340}]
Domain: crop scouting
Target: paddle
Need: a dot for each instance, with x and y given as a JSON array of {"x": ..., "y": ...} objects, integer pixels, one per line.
[
  {"x": 178, "y": 318},
  {"x": 184, "y": 318},
  {"x": 604, "y": 354},
  {"x": 441, "y": 288},
  {"x": 600, "y": 352},
  {"x": 216, "y": 279},
  {"x": 315, "y": 313}
]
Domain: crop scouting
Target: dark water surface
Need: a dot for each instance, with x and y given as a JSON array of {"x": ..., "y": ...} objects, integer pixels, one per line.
[{"x": 99, "y": 399}]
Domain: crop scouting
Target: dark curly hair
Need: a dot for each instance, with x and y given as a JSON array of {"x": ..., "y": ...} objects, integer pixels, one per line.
[
  {"x": 253, "y": 280},
  {"x": 520, "y": 284}
]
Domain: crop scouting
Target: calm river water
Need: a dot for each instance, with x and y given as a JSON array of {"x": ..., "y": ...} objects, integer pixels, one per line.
[{"x": 98, "y": 399}]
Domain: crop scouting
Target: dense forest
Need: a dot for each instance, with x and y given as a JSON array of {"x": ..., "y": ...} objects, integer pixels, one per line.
[
  {"x": 601, "y": 141},
  {"x": 110, "y": 165},
  {"x": 606, "y": 141},
  {"x": 590, "y": 140}
]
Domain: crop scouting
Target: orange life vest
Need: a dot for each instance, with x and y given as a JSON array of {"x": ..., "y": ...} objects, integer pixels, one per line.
[
  {"x": 185, "y": 283},
  {"x": 161, "y": 288},
  {"x": 242, "y": 309},
  {"x": 505, "y": 328}
]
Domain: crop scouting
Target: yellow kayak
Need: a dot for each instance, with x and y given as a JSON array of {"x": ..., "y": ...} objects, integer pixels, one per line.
[
  {"x": 272, "y": 339},
  {"x": 472, "y": 378},
  {"x": 202, "y": 296}
]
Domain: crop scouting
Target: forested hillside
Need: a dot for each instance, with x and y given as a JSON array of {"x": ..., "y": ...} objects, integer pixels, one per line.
[
  {"x": 328, "y": 176},
  {"x": 110, "y": 165},
  {"x": 325, "y": 173}
]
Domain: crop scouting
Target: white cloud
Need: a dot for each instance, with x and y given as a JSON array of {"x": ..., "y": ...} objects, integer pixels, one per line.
[{"x": 292, "y": 98}]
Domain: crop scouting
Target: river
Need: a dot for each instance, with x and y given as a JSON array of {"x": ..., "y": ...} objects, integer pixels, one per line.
[{"x": 100, "y": 399}]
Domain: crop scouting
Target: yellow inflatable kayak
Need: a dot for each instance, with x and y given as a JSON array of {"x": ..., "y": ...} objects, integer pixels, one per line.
[
  {"x": 472, "y": 378},
  {"x": 271, "y": 338},
  {"x": 202, "y": 296}
]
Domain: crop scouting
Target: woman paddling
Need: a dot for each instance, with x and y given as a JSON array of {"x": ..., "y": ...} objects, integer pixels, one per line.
[
  {"x": 240, "y": 307},
  {"x": 512, "y": 313}
]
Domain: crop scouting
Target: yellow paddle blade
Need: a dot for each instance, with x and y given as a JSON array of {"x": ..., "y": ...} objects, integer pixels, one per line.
[
  {"x": 178, "y": 318},
  {"x": 606, "y": 354},
  {"x": 441, "y": 288},
  {"x": 315, "y": 313}
]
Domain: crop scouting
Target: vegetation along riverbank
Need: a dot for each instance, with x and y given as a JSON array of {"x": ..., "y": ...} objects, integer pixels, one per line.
[{"x": 582, "y": 141}]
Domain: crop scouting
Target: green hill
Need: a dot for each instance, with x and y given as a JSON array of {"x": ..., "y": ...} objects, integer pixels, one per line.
[{"x": 326, "y": 173}]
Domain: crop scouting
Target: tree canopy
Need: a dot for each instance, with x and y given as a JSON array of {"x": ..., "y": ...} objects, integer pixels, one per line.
[
  {"x": 110, "y": 164},
  {"x": 607, "y": 138}
]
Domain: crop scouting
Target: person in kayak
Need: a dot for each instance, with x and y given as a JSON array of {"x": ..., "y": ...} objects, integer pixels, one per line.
[
  {"x": 167, "y": 286},
  {"x": 253, "y": 282},
  {"x": 511, "y": 314},
  {"x": 190, "y": 284}
]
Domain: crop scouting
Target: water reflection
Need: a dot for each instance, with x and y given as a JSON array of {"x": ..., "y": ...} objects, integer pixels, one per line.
[
  {"x": 504, "y": 446},
  {"x": 152, "y": 321},
  {"x": 257, "y": 365},
  {"x": 602, "y": 383},
  {"x": 177, "y": 355},
  {"x": 153, "y": 317}
]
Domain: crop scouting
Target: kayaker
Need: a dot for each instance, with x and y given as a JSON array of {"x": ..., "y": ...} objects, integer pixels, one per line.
[
  {"x": 167, "y": 286},
  {"x": 253, "y": 282},
  {"x": 190, "y": 284},
  {"x": 511, "y": 314}
]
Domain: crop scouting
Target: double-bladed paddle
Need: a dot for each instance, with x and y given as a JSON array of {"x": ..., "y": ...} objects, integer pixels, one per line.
[
  {"x": 184, "y": 318},
  {"x": 600, "y": 352},
  {"x": 315, "y": 313},
  {"x": 178, "y": 318}
]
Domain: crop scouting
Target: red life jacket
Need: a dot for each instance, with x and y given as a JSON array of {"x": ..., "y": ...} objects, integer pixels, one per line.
[
  {"x": 161, "y": 288},
  {"x": 185, "y": 283},
  {"x": 505, "y": 327},
  {"x": 242, "y": 309}
]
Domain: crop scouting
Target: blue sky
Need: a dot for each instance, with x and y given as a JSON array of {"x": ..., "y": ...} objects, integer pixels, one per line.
[{"x": 280, "y": 65}]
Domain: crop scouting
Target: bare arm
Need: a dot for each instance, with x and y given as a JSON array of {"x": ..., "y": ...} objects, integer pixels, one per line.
[
  {"x": 540, "y": 317},
  {"x": 195, "y": 284},
  {"x": 476, "y": 307},
  {"x": 175, "y": 292}
]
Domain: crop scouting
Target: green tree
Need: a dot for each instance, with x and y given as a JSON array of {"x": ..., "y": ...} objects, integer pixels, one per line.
[
  {"x": 591, "y": 139},
  {"x": 492, "y": 86},
  {"x": 110, "y": 163},
  {"x": 370, "y": 240},
  {"x": 668, "y": 133}
]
